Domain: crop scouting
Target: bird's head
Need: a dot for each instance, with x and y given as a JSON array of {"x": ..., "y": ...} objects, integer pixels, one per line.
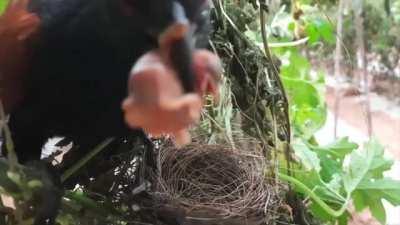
[
  {"x": 158, "y": 15},
  {"x": 173, "y": 23}
]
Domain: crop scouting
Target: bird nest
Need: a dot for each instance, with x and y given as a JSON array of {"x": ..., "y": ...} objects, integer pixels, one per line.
[{"x": 215, "y": 184}]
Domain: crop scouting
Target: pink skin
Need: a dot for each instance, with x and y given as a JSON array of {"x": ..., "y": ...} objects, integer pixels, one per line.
[{"x": 156, "y": 101}]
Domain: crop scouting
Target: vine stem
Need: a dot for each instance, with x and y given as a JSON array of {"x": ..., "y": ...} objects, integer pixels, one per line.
[
  {"x": 85, "y": 159},
  {"x": 338, "y": 58},
  {"x": 276, "y": 72},
  {"x": 313, "y": 196},
  {"x": 12, "y": 156},
  {"x": 280, "y": 85}
]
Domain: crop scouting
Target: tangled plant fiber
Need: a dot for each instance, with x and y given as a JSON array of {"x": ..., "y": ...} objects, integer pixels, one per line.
[{"x": 215, "y": 183}]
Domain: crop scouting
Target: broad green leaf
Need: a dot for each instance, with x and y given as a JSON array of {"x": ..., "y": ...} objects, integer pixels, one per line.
[
  {"x": 382, "y": 184},
  {"x": 380, "y": 164},
  {"x": 385, "y": 188},
  {"x": 392, "y": 196},
  {"x": 302, "y": 93},
  {"x": 359, "y": 201},
  {"x": 326, "y": 31},
  {"x": 341, "y": 146},
  {"x": 372, "y": 200},
  {"x": 336, "y": 183},
  {"x": 290, "y": 71},
  {"x": 307, "y": 111},
  {"x": 298, "y": 67},
  {"x": 360, "y": 164},
  {"x": 338, "y": 149},
  {"x": 319, "y": 29},
  {"x": 308, "y": 120},
  {"x": 312, "y": 33},
  {"x": 344, "y": 219},
  {"x": 329, "y": 166},
  {"x": 377, "y": 210},
  {"x": 308, "y": 158}
]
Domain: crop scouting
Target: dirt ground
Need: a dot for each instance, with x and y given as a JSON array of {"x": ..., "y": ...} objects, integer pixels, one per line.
[
  {"x": 385, "y": 118},
  {"x": 385, "y": 114}
]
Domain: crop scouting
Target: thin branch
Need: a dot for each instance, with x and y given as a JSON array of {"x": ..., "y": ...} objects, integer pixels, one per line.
[
  {"x": 338, "y": 59},
  {"x": 85, "y": 159},
  {"x": 12, "y": 156},
  {"x": 362, "y": 71}
]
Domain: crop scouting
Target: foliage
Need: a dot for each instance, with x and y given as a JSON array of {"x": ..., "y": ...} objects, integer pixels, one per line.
[
  {"x": 329, "y": 177},
  {"x": 26, "y": 187},
  {"x": 303, "y": 86},
  {"x": 340, "y": 174}
]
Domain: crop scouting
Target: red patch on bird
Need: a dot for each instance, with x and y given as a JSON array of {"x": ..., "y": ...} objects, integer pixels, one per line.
[{"x": 17, "y": 27}]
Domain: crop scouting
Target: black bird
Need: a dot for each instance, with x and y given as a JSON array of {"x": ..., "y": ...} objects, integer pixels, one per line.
[{"x": 79, "y": 64}]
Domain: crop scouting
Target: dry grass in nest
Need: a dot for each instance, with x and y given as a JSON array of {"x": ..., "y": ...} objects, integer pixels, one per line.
[{"x": 216, "y": 183}]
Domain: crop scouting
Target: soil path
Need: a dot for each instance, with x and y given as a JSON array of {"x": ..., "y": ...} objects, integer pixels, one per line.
[
  {"x": 352, "y": 123},
  {"x": 385, "y": 118}
]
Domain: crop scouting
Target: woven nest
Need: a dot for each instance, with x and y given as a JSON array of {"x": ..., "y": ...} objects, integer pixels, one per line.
[{"x": 216, "y": 184}]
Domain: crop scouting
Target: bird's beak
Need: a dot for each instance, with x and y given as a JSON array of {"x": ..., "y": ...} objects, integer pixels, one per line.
[
  {"x": 179, "y": 27},
  {"x": 176, "y": 32},
  {"x": 176, "y": 48}
]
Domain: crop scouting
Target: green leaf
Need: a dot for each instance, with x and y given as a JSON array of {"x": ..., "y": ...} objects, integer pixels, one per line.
[
  {"x": 307, "y": 110},
  {"x": 355, "y": 172},
  {"x": 332, "y": 156},
  {"x": 392, "y": 196},
  {"x": 326, "y": 31},
  {"x": 379, "y": 164},
  {"x": 378, "y": 211},
  {"x": 382, "y": 184},
  {"x": 308, "y": 158},
  {"x": 338, "y": 149},
  {"x": 319, "y": 29},
  {"x": 358, "y": 201},
  {"x": 312, "y": 33},
  {"x": 329, "y": 167},
  {"x": 385, "y": 188},
  {"x": 371, "y": 200},
  {"x": 344, "y": 219},
  {"x": 335, "y": 183}
]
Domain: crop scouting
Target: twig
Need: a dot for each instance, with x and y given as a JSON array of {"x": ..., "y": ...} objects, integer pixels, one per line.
[
  {"x": 12, "y": 156},
  {"x": 324, "y": 206},
  {"x": 359, "y": 25},
  {"x": 85, "y": 159},
  {"x": 338, "y": 57}
]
